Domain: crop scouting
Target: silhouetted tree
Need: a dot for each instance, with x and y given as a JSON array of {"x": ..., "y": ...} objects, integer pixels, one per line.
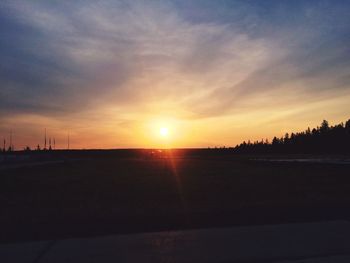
[
  {"x": 323, "y": 139},
  {"x": 324, "y": 126}
]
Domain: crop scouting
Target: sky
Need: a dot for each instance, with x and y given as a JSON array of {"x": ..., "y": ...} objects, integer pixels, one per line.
[{"x": 111, "y": 74}]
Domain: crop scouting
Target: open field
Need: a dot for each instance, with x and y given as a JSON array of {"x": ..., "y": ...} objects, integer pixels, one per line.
[{"x": 105, "y": 192}]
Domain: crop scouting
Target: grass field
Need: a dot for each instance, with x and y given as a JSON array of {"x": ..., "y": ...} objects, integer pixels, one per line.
[{"x": 107, "y": 194}]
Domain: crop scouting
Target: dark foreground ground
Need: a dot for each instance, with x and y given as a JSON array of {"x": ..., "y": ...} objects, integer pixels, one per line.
[{"x": 78, "y": 194}]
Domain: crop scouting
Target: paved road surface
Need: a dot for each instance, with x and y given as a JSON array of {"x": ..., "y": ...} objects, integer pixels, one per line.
[{"x": 305, "y": 242}]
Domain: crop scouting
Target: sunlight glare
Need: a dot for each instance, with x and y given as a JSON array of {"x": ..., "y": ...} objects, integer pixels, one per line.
[{"x": 164, "y": 131}]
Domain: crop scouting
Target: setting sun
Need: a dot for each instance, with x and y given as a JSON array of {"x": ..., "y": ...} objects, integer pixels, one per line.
[{"x": 164, "y": 131}]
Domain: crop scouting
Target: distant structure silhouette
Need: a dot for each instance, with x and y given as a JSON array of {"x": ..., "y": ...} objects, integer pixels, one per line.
[
  {"x": 45, "y": 140},
  {"x": 323, "y": 139},
  {"x": 11, "y": 148}
]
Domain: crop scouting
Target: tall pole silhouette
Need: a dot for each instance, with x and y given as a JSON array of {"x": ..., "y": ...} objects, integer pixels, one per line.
[
  {"x": 10, "y": 141},
  {"x": 45, "y": 140}
]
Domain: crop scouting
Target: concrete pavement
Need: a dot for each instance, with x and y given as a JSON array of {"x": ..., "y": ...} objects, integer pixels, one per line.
[{"x": 305, "y": 242}]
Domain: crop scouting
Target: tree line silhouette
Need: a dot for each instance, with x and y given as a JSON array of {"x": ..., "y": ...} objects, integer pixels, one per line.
[{"x": 323, "y": 139}]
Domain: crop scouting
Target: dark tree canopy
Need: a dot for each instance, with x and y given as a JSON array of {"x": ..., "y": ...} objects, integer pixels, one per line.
[{"x": 322, "y": 139}]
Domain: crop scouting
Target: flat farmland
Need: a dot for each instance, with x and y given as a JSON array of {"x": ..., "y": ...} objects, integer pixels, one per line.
[{"x": 109, "y": 194}]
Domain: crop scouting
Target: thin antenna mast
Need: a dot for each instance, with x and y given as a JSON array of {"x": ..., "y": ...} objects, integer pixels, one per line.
[
  {"x": 11, "y": 141},
  {"x": 45, "y": 140}
]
